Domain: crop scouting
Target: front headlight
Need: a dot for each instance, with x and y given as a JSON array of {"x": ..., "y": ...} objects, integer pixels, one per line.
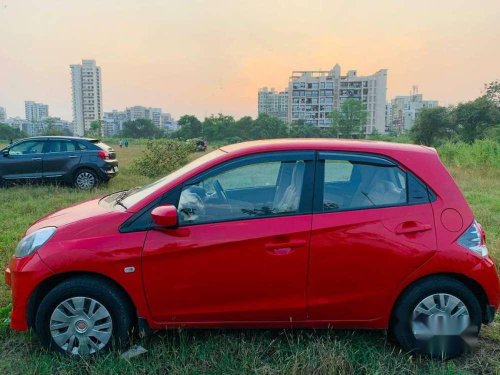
[{"x": 33, "y": 241}]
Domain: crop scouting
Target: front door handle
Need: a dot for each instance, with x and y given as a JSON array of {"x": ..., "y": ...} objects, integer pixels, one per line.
[
  {"x": 72, "y": 156},
  {"x": 412, "y": 227},
  {"x": 36, "y": 158},
  {"x": 284, "y": 248}
]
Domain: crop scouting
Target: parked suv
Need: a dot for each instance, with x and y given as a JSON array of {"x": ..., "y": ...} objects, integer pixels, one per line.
[
  {"x": 281, "y": 233},
  {"x": 83, "y": 162}
]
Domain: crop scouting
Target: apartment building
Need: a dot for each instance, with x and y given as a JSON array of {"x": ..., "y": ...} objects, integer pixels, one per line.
[
  {"x": 273, "y": 103},
  {"x": 35, "y": 112},
  {"x": 140, "y": 112},
  {"x": 403, "y": 110},
  {"x": 312, "y": 95},
  {"x": 86, "y": 83},
  {"x": 113, "y": 122}
]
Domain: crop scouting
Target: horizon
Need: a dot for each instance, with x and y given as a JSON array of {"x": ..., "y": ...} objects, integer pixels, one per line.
[{"x": 208, "y": 58}]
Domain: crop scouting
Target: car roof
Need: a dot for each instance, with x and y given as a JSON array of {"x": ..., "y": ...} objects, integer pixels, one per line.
[
  {"x": 326, "y": 144},
  {"x": 63, "y": 137}
]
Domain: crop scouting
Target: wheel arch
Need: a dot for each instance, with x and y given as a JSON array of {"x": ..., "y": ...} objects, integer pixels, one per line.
[
  {"x": 473, "y": 286},
  {"x": 48, "y": 284}
]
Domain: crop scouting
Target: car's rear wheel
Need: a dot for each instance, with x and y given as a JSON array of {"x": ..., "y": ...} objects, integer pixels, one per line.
[
  {"x": 84, "y": 316},
  {"x": 85, "y": 179},
  {"x": 438, "y": 316}
]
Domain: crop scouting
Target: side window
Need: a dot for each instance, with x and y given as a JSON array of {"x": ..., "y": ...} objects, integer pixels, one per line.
[
  {"x": 27, "y": 148},
  {"x": 61, "y": 146},
  {"x": 80, "y": 146},
  {"x": 353, "y": 185},
  {"x": 261, "y": 189}
]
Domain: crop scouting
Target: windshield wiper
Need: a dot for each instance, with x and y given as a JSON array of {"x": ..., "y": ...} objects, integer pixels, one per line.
[{"x": 124, "y": 195}]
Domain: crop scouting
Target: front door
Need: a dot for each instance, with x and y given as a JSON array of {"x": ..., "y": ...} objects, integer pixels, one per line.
[
  {"x": 60, "y": 157},
  {"x": 24, "y": 161},
  {"x": 373, "y": 225},
  {"x": 240, "y": 252}
]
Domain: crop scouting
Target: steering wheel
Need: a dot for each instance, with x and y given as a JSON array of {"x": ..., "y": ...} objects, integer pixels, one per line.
[{"x": 220, "y": 192}]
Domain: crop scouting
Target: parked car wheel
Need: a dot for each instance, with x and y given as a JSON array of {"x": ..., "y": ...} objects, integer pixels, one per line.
[
  {"x": 86, "y": 179},
  {"x": 439, "y": 317},
  {"x": 82, "y": 317}
]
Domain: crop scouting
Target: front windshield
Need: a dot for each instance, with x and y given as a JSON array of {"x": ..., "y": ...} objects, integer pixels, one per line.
[{"x": 146, "y": 190}]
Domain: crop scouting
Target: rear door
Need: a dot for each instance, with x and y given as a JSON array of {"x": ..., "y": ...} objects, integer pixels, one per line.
[
  {"x": 24, "y": 160},
  {"x": 60, "y": 157},
  {"x": 373, "y": 225}
]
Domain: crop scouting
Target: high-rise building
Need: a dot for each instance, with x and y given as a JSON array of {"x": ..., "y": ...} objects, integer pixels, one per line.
[
  {"x": 3, "y": 114},
  {"x": 403, "y": 110},
  {"x": 140, "y": 112},
  {"x": 113, "y": 122},
  {"x": 35, "y": 112},
  {"x": 314, "y": 94},
  {"x": 86, "y": 82},
  {"x": 273, "y": 103}
]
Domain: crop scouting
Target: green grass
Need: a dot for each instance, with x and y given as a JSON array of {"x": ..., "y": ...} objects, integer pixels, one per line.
[{"x": 237, "y": 351}]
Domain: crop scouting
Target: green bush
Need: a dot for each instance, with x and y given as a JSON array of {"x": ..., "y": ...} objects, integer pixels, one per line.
[
  {"x": 162, "y": 156},
  {"x": 484, "y": 152}
]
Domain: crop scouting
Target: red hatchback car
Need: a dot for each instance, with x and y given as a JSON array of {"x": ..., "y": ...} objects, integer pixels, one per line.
[{"x": 281, "y": 233}]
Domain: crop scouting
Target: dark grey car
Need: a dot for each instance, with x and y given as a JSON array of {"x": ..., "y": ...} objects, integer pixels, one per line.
[{"x": 83, "y": 162}]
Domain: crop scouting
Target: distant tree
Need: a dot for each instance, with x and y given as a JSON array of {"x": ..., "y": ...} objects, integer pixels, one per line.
[
  {"x": 95, "y": 129},
  {"x": 49, "y": 128},
  {"x": 492, "y": 92},
  {"x": 474, "y": 118},
  {"x": 243, "y": 127},
  {"x": 268, "y": 127},
  {"x": 433, "y": 126},
  {"x": 299, "y": 129},
  {"x": 140, "y": 128},
  {"x": 190, "y": 127},
  {"x": 7, "y": 132},
  {"x": 218, "y": 127},
  {"x": 347, "y": 121}
]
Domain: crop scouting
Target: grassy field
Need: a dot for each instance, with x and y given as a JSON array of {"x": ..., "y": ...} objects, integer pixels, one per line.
[{"x": 237, "y": 351}]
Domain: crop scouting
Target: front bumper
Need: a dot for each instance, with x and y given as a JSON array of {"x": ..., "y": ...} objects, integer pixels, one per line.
[{"x": 22, "y": 276}]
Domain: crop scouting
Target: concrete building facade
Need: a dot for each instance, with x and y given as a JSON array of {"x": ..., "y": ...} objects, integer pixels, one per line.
[
  {"x": 35, "y": 112},
  {"x": 140, "y": 112},
  {"x": 273, "y": 103},
  {"x": 86, "y": 83},
  {"x": 312, "y": 95},
  {"x": 113, "y": 122},
  {"x": 403, "y": 110}
]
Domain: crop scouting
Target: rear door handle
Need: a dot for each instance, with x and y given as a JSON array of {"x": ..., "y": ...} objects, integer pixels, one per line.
[
  {"x": 284, "y": 248},
  {"x": 72, "y": 156},
  {"x": 412, "y": 227}
]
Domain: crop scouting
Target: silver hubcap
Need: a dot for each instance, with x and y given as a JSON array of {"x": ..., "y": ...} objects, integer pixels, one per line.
[
  {"x": 81, "y": 326},
  {"x": 439, "y": 315},
  {"x": 85, "y": 180}
]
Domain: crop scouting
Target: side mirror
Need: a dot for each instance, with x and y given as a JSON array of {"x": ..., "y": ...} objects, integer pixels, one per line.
[
  {"x": 5, "y": 152},
  {"x": 165, "y": 216}
]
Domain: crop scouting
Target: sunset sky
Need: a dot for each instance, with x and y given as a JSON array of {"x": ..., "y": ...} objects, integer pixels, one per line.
[{"x": 204, "y": 57}]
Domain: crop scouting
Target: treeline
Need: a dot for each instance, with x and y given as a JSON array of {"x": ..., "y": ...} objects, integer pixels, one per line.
[
  {"x": 465, "y": 122},
  {"x": 9, "y": 133}
]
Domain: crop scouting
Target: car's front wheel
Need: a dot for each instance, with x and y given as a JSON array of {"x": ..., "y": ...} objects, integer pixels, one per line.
[
  {"x": 85, "y": 179},
  {"x": 84, "y": 316},
  {"x": 439, "y": 316}
]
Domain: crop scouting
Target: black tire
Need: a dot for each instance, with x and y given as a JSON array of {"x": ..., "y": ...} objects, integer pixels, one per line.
[
  {"x": 100, "y": 290},
  {"x": 85, "y": 179},
  {"x": 449, "y": 346}
]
